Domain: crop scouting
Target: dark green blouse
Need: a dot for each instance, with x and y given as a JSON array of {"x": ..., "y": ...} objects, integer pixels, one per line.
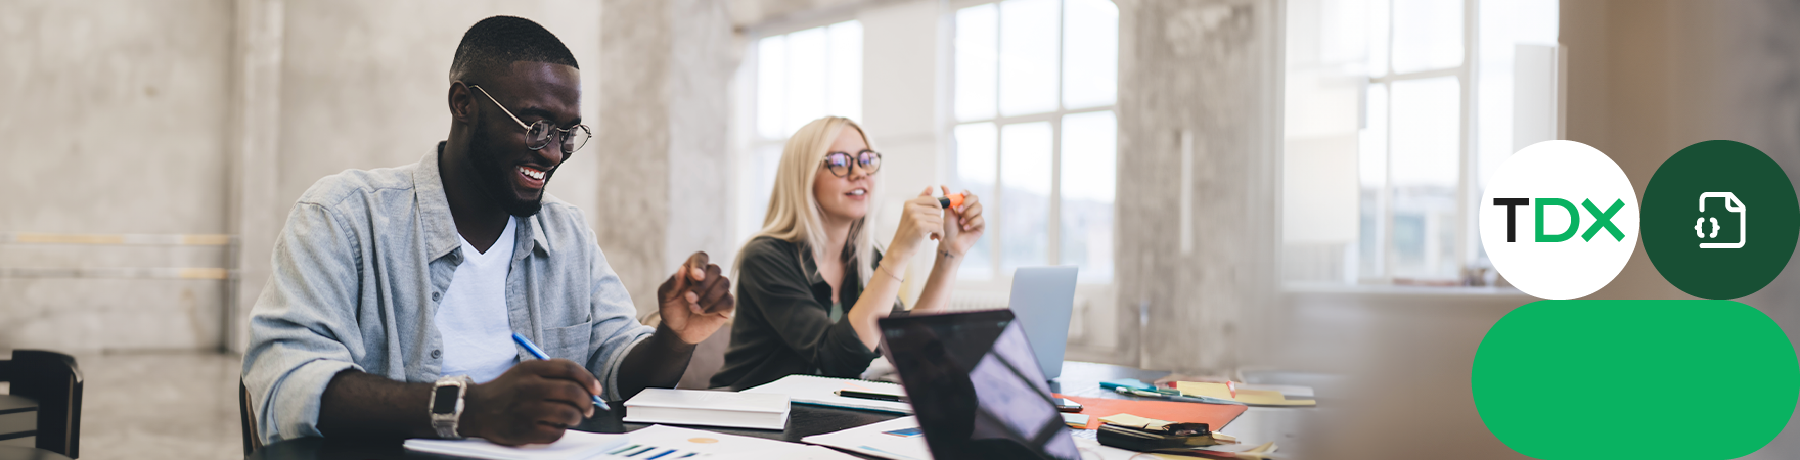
[{"x": 783, "y": 323}]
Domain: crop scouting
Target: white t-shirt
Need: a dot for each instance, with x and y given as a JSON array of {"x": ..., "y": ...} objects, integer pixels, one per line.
[{"x": 472, "y": 317}]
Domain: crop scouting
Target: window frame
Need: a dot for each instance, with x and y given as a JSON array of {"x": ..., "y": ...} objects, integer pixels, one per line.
[
  {"x": 749, "y": 139},
  {"x": 998, "y": 279},
  {"x": 1469, "y": 237}
]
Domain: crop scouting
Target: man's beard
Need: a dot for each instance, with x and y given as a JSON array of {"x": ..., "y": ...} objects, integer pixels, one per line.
[{"x": 494, "y": 178}]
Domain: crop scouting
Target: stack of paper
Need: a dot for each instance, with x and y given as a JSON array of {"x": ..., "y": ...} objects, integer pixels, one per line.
[
  {"x": 714, "y": 408},
  {"x": 821, "y": 391},
  {"x": 574, "y": 445}
]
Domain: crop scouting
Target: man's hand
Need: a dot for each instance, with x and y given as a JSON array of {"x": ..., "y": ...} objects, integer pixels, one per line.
[
  {"x": 696, "y": 300},
  {"x": 532, "y": 403},
  {"x": 962, "y": 226}
]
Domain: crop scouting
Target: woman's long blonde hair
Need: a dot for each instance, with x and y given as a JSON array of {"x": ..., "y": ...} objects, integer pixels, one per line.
[{"x": 794, "y": 213}]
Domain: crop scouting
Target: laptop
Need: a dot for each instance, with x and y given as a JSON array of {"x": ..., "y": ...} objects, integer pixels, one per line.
[
  {"x": 1044, "y": 298},
  {"x": 975, "y": 387}
]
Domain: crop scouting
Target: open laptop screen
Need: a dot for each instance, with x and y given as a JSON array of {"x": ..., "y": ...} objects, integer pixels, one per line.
[{"x": 975, "y": 387}]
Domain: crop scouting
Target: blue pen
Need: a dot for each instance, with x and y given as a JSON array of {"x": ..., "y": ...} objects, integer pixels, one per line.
[{"x": 530, "y": 347}]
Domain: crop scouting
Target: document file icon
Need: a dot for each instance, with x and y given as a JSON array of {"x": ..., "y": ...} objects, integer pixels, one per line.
[{"x": 1732, "y": 204}]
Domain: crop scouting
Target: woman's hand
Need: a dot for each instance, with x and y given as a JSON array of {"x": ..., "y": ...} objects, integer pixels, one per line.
[
  {"x": 962, "y": 226},
  {"x": 919, "y": 219}
]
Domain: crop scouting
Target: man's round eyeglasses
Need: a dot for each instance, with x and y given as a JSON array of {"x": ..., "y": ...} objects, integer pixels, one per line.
[
  {"x": 538, "y": 134},
  {"x": 839, "y": 162}
]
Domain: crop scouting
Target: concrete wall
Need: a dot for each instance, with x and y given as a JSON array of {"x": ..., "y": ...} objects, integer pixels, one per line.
[
  {"x": 211, "y": 117},
  {"x": 116, "y": 123}
]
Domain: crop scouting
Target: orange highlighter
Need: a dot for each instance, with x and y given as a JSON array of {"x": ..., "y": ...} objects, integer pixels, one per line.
[{"x": 951, "y": 201}]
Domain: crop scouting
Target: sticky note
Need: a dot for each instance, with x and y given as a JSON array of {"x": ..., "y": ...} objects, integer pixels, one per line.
[
  {"x": 1134, "y": 421},
  {"x": 1251, "y": 397}
]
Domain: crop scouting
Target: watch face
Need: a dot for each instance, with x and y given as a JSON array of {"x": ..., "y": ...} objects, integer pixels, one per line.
[{"x": 445, "y": 402}]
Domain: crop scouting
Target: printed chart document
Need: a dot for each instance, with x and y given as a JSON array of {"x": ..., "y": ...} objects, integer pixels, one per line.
[
  {"x": 664, "y": 442},
  {"x": 574, "y": 445},
  {"x": 821, "y": 391},
  {"x": 897, "y": 439}
]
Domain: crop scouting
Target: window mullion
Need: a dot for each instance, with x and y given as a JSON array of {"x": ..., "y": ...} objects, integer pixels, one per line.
[
  {"x": 1386, "y": 200},
  {"x": 1054, "y": 254},
  {"x": 994, "y": 245},
  {"x": 1466, "y": 138}
]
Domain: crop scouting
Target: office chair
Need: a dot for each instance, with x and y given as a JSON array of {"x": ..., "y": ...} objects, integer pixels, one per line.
[
  {"x": 54, "y": 381},
  {"x": 247, "y": 420}
]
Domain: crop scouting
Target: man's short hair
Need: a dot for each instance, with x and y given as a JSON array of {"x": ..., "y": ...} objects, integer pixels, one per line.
[{"x": 493, "y": 44}]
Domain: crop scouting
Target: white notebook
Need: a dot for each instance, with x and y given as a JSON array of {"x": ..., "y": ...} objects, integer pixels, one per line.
[
  {"x": 712, "y": 408},
  {"x": 574, "y": 445},
  {"x": 820, "y": 391}
]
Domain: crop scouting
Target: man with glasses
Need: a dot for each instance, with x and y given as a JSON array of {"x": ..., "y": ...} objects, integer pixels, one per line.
[{"x": 395, "y": 293}]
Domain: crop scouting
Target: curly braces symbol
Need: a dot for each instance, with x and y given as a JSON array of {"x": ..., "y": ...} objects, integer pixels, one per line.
[{"x": 1700, "y": 223}]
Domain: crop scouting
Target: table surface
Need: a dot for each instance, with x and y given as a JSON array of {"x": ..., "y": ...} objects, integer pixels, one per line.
[{"x": 1259, "y": 424}]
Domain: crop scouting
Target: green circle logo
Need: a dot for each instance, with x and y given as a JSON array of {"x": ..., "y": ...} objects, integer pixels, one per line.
[{"x": 1720, "y": 219}]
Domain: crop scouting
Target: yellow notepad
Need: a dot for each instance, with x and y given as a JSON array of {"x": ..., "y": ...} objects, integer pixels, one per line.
[{"x": 1251, "y": 397}]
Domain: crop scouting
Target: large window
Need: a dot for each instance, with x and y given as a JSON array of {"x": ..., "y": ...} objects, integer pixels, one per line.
[
  {"x": 1035, "y": 134},
  {"x": 799, "y": 77},
  {"x": 1396, "y": 109}
]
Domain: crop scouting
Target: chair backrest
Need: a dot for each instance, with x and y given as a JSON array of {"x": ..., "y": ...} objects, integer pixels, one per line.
[
  {"x": 247, "y": 420},
  {"x": 54, "y": 381}
]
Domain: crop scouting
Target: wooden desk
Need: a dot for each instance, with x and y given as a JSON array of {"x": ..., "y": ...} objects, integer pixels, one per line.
[{"x": 1079, "y": 379}]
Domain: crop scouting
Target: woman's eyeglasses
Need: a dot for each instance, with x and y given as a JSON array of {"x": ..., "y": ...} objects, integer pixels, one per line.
[
  {"x": 839, "y": 162},
  {"x": 539, "y": 134}
]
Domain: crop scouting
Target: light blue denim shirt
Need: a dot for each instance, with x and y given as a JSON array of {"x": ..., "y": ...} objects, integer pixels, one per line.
[{"x": 359, "y": 269}]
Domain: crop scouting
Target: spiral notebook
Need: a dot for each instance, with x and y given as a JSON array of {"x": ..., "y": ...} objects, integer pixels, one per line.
[{"x": 821, "y": 391}]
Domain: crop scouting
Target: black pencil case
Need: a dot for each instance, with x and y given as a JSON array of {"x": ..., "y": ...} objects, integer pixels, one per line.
[{"x": 1175, "y": 436}]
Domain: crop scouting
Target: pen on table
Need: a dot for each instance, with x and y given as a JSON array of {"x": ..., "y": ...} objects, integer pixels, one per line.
[
  {"x": 871, "y": 396},
  {"x": 530, "y": 347}
]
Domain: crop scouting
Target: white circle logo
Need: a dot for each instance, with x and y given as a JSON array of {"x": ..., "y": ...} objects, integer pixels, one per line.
[{"x": 1559, "y": 219}]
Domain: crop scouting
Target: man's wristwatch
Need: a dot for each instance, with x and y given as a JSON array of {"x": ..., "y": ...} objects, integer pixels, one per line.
[{"x": 447, "y": 404}]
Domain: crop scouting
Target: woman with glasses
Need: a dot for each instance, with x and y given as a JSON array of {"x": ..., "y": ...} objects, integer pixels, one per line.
[{"x": 811, "y": 285}]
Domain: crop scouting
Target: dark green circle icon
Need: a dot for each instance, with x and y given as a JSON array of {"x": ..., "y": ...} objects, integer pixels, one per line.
[{"x": 1720, "y": 220}]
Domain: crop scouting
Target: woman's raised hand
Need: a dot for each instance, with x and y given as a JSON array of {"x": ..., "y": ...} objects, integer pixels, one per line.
[
  {"x": 962, "y": 225},
  {"x": 921, "y": 218}
]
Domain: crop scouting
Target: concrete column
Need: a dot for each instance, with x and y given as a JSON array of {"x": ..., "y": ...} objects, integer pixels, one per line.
[
  {"x": 1199, "y": 87},
  {"x": 252, "y": 213},
  {"x": 662, "y": 146}
]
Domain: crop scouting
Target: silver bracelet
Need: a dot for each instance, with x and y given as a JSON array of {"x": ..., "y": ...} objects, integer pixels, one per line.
[{"x": 881, "y": 268}]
